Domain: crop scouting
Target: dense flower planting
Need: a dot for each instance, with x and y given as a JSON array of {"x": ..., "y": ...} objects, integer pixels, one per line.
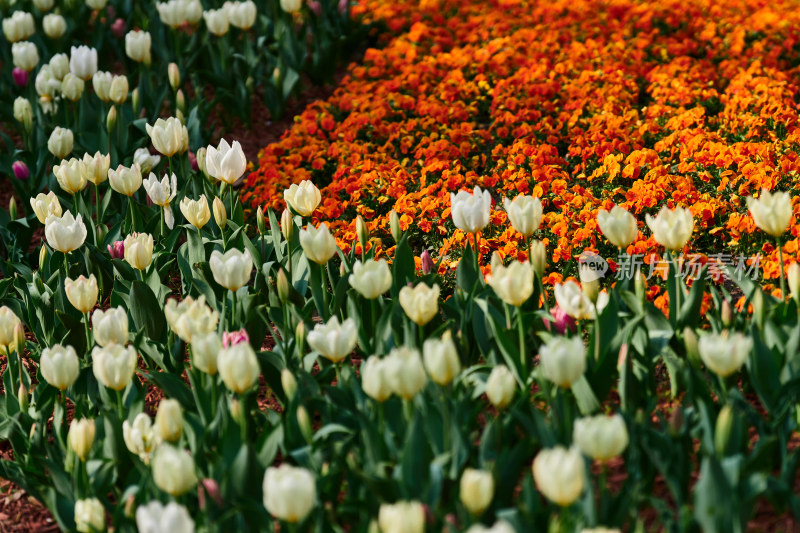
[
  {"x": 640, "y": 104},
  {"x": 352, "y": 357}
]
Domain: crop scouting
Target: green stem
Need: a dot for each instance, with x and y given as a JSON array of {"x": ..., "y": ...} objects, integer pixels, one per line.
[
  {"x": 523, "y": 359},
  {"x": 162, "y": 221},
  {"x": 596, "y": 337},
  {"x": 477, "y": 256},
  {"x": 88, "y": 334},
  {"x": 233, "y": 309},
  {"x": 325, "y": 296},
  {"x": 783, "y": 274},
  {"x": 372, "y": 306},
  {"x": 120, "y": 406}
]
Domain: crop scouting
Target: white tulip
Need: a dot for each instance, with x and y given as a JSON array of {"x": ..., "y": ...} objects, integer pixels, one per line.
[
  {"x": 471, "y": 212},
  {"x": 125, "y": 180},
  {"x": 499, "y": 527},
  {"x": 83, "y": 62},
  {"x": 217, "y": 21},
  {"x": 513, "y": 283},
  {"x": 291, "y": 6},
  {"x": 65, "y": 233},
  {"x": 45, "y": 205},
  {"x": 333, "y": 340},
  {"x": 421, "y": 303},
  {"x": 501, "y": 386},
  {"x": 140, "y": 436},
  {"x": 137, "y": 46},
  {"x": 155, "y": 517},
  {"x": 619, "y": 226},
  {"x": 162, "y": 193},
  {"x": 402, "y": 517},
  {"x": 44, "y": 5},
  {"x": 724, "y": 353},
  {"x": 90, "y": 516},
  {"x": 205, "y": 348},
  {"x": 476, "y": 490},
  {"x": 226, "y": 162},
  {"x": 97, "y": 167},
  {"x": 793, "y": 279},
  {"x": 110, "y": 326},
  {"x": 82, "y": 292},
  {"x": 560, "y": 474},
  {"x": 80, "y": 437},
  {"x": 25, "y": 55},
  {"x": 114, "y": 365},
  {"x": 290, "y": 492},
  {"x": 60, "y": 142},
  {"x": 59, "y": 366},
  {"x": 243, "y": 14},
  {"x": 672, "y": 229},
  {"x": 375, "y": 378},
  {"x": 139, "y": 250},
  {"x": 71, "y": 175},
  {"x": 371, "y": 278},
  {"x": 59, "y": 66},
  {"x": 571, "y": 298},
  {"x": 169, "y": 420},
  {"x": 238, "y": 367},
  {"x": 303, "y": 198},
  {"x": 191, "y": 319},
  {"x": 118, "y": 92},
  {"x": 167, "y": 135},
  {"x": 771, "y": 211},
  {"x": 405, "y": 372},
  {"x": 441, "y": 359},
  {"x": 19, "y": 26},
  {"x": 196, "y": 212},
  {"x": 173, "y": 470},
  {"x": 563, "y": 360},
  {"x": 96, "y": 4},
  {"x": 232, "y": 269},
  {"x": 601, "y": 437},
  {"x": 144, "y": 160},
  {"x": 318, "y": 244},
  {"x": 525, "y": 213},
  {"x": 54, "y": 25},
  {"x": 23, "y": 112},
  {"x": 101, "y": 81},
  {"x": 9, "y": 324}
]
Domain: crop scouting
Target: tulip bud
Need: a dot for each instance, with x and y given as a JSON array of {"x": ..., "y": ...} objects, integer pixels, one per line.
[
  {"x": 236, "y": 410},
  {"x": 676, "y": 421},
  {"x": 262, "y": 226},
  {"x": 135, "y": 99},
  {"x": 287, "y": 225},
  {"x": 102, "y": 231},
  {"x": 726, "y": 314},
  {"x": 476, "y": 490},
  {"x": 12, "y": 208},
  {"x": 220, "y": 214},
  {"x": 42, "y": 256},
  {"x": 289, "y": 383},
  {"x": 283, "y": 286},
  {"x": 21, "y": 171},
  {"x": 722, "y": 432},
  {"x": 173, "y": 470},
  {"x": 169, "y": 420},
  {"x": 180, "y": 103},
  {"x": 22, "y": 398},
  {"x": 537, "y": 256},
  {"x": 238, "y": 366},
  {"x": 793, "y": 280},
  {"x": 501, "y": 386},
  {"x": 427, "y": 262},
  {"x": 300, "y": 336},
  {"x": 690, "y": 342},
  {"x": 759, "y": 311},
  {"x": 362, "y": 233},
  {"x": 111, "y": 119},
  {"x": 304, "y": 422},
  {"x": 590, "y": 286},
  {"x": 640, "y": 285},
  {"x": 23, "y": 113},
  {"x": 81, "y": 437},
  {"x": 394, "y": 226},
  {"x": 174, "y": 75},
  {"x": 289, "y": 492},
  {"x": 130, "y": 506}
]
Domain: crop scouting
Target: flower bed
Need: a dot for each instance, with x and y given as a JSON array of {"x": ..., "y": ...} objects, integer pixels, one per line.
[{"x": 640, "y": 104}]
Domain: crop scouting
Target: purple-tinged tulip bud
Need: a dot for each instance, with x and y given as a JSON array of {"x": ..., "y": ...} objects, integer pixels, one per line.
[
  {"x": 232, "y": 338},
  {"x": 118, "y": 28},
  {"x": 116, "y": 250},
  {"x": 315, "y": 7},
  {"x": 20, "y": 76},
  {"x": 193, "y": 161},
  {"x": 21, "y": 171},
  {"x": 211, "y": 487},
  {"x": 342, "y": 6},
  {"x": 562, "y": 321},
  {"x": 427, "y": 262}
]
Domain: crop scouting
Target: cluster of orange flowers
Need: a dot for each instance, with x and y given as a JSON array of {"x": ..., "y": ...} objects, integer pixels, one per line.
[{"x": 584, "y": 104}]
